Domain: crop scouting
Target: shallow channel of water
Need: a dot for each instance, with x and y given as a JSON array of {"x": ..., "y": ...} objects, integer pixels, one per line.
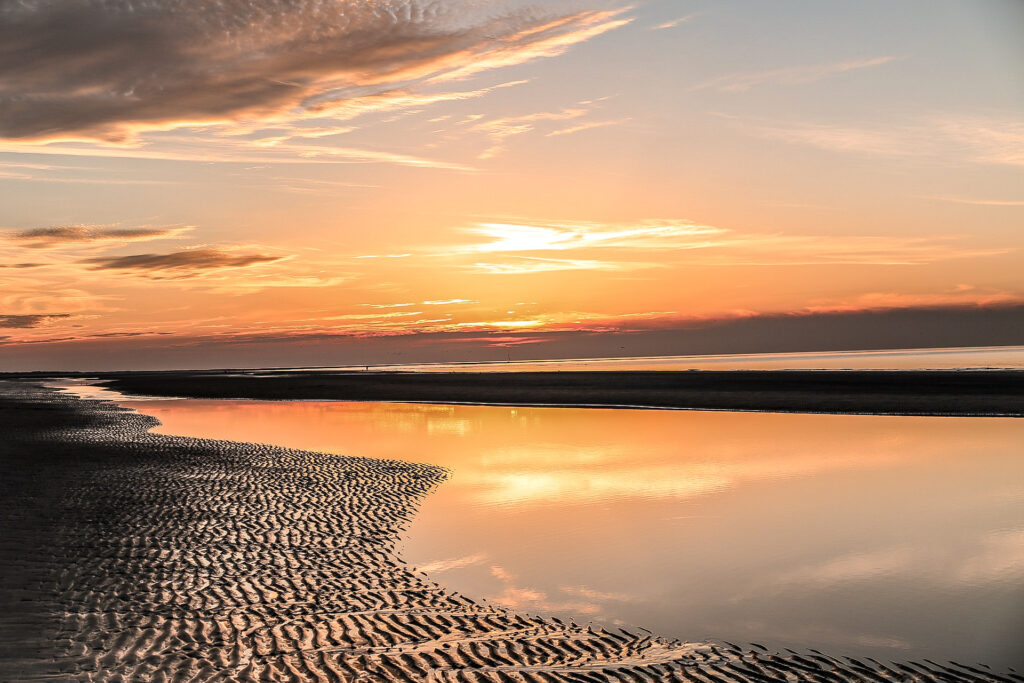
[{"x": 893, "y": 537}]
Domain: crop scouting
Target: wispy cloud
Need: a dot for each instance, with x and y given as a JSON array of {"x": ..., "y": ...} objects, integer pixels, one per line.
[
  {"x": 226, "y": 150},
  {"x": 525, "y": 265},
  {"x": 675, "y": 22},
  {"x": 448, "y": 302},
  {"x": 792, "y": 75},
  {"x": 648, "y": 234},
  {"x": 438, "y": 302},
  {"x": 500, "y": 130},
  {"x": 989, "y": 139},
  {"x": 680, "y": 242},
  {"x": 74, "y": 235},
  {"x": 963, "y": 295},
  {"x": 590, "y": 125},
  {"x": 978, "y": 202}
]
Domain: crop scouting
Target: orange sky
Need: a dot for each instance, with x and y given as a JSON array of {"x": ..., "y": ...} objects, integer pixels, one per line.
[{"x": 361, "y": 180}]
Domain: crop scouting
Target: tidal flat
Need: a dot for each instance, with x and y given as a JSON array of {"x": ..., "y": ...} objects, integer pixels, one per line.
[{"x": 129, "y": 555}]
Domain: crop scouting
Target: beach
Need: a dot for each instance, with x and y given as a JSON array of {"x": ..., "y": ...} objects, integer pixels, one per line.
[
  {"x": 897, "y": 392},
  {"x": 135, "y": 556}
]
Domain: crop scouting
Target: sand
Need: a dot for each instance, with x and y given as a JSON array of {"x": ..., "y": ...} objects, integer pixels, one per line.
[
  {"x": 915, "y": 392},
  {"x": 133, "y": 556}
]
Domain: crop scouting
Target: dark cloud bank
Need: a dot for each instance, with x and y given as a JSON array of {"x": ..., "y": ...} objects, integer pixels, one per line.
[{"x": 898, "y": 328}]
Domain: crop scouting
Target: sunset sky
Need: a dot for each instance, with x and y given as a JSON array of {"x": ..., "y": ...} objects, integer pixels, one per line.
[{"x": 189, "y": 183}]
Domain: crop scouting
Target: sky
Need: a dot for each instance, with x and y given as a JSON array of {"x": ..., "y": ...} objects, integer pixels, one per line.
[{"x": 317, "y": 182}]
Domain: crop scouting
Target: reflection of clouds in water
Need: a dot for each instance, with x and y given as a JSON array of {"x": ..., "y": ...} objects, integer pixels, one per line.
[
  {"x": 1000, "y": 558},
  {"x": 574, "y": 486},
  {"x": 997, "y": 559},
  {"x": 851, "y": 567},
  {"x": 592, "y": 594},
  {"x": 545, "y": 472},
  {"x": 823, "y": 634},
  {"x": 571, "y": 506},
  {"x": 526, "y": 599},
  {"x": 438, "y": 566}
]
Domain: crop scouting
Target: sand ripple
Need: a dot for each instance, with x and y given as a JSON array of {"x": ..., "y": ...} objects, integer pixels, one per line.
[{"x": 133, "y": 556}]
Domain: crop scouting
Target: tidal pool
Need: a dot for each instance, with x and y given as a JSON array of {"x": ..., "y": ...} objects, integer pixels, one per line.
[{"x": 893, "y": 537}]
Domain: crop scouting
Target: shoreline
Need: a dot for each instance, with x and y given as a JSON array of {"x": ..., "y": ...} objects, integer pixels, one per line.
[
  {"x": 127, "y": 553},
  {"x": 955, "y": 393}
]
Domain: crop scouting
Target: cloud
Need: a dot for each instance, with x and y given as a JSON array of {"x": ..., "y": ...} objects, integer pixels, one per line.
[
  {"x": 584, "y": 126},
  {"x": 25, "y": 321},
  {"x": 793, "y": 75},
  {"x": 63, "y": 235},
  {"x": 499, "y": 341},
  {"x": 219, "y": 343},
  {"x": 211, "y": 149},
  {"x": 680, "y": 242},
  {"x": 397, "y": 99},
  {"x": 501, "y": 129},
  {"x": 989, "y": 139},
  {"x": 978, "y": 202},
  {"x": 532, "y": 264},
  {"x": 448, "y": 302},
  {"x": 675, "y": 22},
  {"x": 180, "y": 263},
  {"x": 110, "y": 70},
  {"x": 649, "y": 234}
]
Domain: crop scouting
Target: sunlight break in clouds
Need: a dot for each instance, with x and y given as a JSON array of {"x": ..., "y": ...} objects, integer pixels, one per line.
[
  {"x": 680, "y": 242},
  {"x": 524, "y": 265},
  {"x": 506, "y": 237},
  {"x": 118, "y": 68}
]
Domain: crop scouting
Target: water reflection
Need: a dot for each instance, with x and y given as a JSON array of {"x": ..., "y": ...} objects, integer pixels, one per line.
[{"x": 893, "y": 537}]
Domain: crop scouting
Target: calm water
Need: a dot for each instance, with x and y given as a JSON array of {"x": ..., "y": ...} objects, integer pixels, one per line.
[
  {"x": 894, "y": 359},
  {"x": 894, "y": 537}
]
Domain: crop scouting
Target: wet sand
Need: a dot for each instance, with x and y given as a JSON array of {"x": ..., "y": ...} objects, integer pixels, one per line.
[
  {"x": 912, "y": 392},
  {"x": 127, "y": 555}
]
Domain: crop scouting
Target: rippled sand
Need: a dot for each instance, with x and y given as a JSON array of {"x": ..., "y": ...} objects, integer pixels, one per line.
[{"x": 134, "y": 556}]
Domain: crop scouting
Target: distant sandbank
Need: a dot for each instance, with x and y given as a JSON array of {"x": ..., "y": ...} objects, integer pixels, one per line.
[{"x": 898, "y": 392}]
